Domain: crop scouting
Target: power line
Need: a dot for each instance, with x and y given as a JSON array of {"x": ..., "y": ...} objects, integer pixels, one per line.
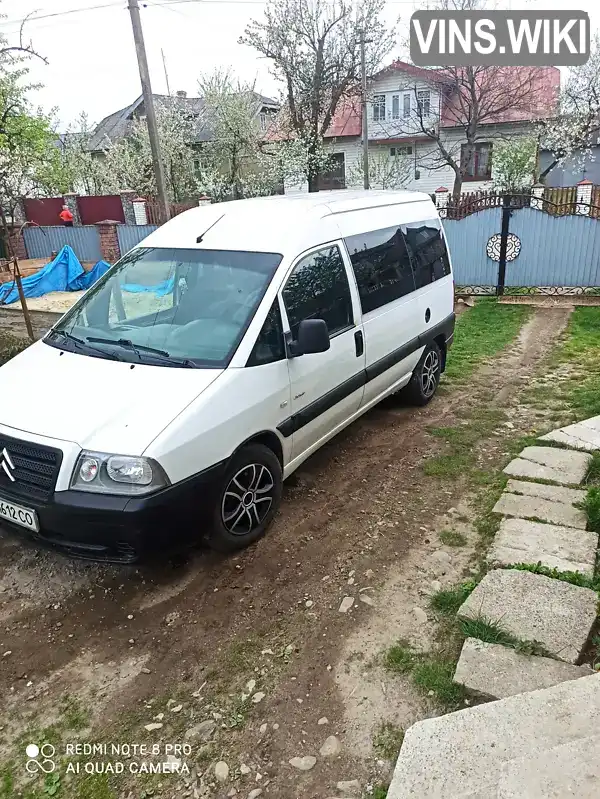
[{"x": 36, "y": 17}]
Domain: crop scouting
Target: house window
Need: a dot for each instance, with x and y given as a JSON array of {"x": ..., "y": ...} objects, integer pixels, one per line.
[
  {"x": 476, "y": 160},
  {"x": 335, "y": 176},
  {"x": 405, "y": 149},
  {"x": 263, "y": 121},
  {"x": 396, "y": 106},
  {"x": 406, "y": 107},
  {"x": 424, "y": 103},
  {"x": 379, "y": 108}
]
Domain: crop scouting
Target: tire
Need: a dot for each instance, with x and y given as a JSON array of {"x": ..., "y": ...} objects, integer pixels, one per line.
[
  {"x": 248, "y": 499},
  {"x": 426, "y": 376}
]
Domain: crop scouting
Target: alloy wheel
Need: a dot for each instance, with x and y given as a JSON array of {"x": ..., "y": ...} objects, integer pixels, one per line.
[
  {"x": 429, "y": 373},
  {"x": 247, "y": 499}
]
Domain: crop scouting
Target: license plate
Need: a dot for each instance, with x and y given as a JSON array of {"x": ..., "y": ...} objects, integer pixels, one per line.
[{"x": 17, "y": 514}]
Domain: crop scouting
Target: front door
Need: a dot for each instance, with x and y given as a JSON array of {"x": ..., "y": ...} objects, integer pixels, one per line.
[{"x": 326, "y": 387}]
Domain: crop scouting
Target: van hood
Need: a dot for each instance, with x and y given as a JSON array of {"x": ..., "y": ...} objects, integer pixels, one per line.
[{"x": 101, "y": 405}]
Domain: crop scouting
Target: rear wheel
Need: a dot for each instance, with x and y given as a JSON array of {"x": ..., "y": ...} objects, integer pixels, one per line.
[
  {"x": 249, "y": 497},
  {"x": 426, "y": 376}
]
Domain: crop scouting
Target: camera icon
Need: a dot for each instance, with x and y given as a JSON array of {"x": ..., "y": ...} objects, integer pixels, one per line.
[{"x": 40, "y": 758}]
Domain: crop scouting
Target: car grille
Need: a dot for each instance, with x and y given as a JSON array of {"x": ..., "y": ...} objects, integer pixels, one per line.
[{"x": 35, "y": 469}]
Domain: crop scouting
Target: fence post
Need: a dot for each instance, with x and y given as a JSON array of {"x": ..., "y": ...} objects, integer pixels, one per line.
[
  {"x": 537, "y": 196},
  {"x": 70, "y": 200},
  {"x": 139, "y": 211},
  {"x": 442, "y": 197},
  {"x": 584, "y": 197},
  {"x": 109, "y": 240},
  {"x": 506, "y": 213},
  {"x": 127, "y": 198}
]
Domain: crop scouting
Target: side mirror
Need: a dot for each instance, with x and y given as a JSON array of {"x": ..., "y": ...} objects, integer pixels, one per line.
[{"x": 313, "y": 336}]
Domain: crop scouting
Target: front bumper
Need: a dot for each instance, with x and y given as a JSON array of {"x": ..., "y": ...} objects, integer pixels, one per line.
[{"x": 123, "y": 529}]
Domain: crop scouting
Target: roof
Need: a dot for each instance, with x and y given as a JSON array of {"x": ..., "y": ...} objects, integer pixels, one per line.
[
  {"x": 410, "y": 69},
  {"x": 118, "y": 124},
  {"x": 280, "y": 224}
]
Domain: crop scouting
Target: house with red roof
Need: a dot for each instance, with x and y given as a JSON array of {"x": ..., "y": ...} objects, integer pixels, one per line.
[{"x": 406, "y": 103}]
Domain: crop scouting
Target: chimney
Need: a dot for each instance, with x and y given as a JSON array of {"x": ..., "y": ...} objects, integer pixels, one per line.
[{"x": 181, "y": 93}]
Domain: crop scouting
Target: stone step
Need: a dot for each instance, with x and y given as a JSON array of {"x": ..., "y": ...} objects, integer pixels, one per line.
[
  {"x": 569, "y": 496},
  {"x": 557, "y": 615},
  {"x": 458, "y": 754},
  {"x": 562, "y": 548},
  {"x": 549, "y": 463},
  {"x": 495, "y": 672},
  {"x": 583, "y": 435},
  {"x": 572, "y": 769},
  {"x": 546, "y": 510}
]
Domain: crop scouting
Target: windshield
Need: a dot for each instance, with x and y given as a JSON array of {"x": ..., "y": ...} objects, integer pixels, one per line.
[{"x": 169, "y": 307}]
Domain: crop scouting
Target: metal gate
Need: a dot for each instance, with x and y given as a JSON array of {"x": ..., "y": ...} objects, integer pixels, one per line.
[{"x": 523, "y": 243}]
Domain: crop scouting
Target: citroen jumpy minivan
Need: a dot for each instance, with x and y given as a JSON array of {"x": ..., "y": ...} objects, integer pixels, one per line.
[{"x": 175, "y": 397}]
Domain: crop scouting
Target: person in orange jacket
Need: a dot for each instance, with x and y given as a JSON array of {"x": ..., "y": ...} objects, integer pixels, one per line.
[{"x": 66, "y": 217}]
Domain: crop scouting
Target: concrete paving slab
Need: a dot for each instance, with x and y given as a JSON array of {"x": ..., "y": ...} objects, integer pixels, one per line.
[
  {"x": 526, "y": 507},
  {"x": 549, "y": 463},
  {"x": 495, "y": 672},
  {"x": 456, "y": 754},
  {"x": 582, "y": 435},
  {"x": 572, "y": 769},
  {"x": 557, "y": 615},
  {"x": 557, "y": 547},
  {"x": 569, "y": 496}
]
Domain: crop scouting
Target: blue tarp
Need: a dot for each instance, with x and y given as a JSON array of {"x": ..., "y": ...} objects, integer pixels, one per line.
[{"x": 64, "y": 273}]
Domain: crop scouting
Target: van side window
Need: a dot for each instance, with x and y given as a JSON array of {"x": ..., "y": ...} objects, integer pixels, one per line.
[
  {"x": 381, "y": 264},
  {"x": 269, "y": 346},
  {"x": 428, "y": 251},
  {"x": 318, "y": 289}
]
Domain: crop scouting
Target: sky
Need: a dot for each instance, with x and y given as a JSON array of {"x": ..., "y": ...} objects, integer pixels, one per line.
[{"x": 91, "y": 57}]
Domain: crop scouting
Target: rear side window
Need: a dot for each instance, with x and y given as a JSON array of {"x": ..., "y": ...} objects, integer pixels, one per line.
[
  {"x": 269, "y": 346},
  {"x": 318, "y": 289},
  {"x": 382, "y": 267},
  {"x": 427, "y": 250}
]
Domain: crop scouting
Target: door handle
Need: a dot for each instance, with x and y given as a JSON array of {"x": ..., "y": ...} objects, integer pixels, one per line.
[{"x": 359, "y": 342}]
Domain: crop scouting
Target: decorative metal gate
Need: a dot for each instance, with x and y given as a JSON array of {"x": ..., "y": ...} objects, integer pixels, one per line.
[{"x": 524, "y": 243}]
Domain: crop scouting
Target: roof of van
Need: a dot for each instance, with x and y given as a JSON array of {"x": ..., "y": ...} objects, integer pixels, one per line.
[{"x": 272, "y": 224}]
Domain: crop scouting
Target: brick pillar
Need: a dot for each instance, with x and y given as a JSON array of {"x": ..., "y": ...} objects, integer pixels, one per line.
[
  {"x": 537, "y": 197},
  {"x": 139, "y": 211},
  {"x": 17, "y": 244},
  {"x": 109, "y": 241},
  {"x": 70, "y": 200},
  {"x": 584, "y": 197},
  {"x": 127, "y": 198},
  {"x": 204, "y": 200},
  {"x": 442, "y": 196}
]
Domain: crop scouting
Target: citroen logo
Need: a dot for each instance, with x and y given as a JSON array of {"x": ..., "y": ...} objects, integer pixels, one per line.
[{"x": 7, "y": 465}]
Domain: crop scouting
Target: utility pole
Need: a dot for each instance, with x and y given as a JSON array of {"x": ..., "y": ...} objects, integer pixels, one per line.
[
  {"x": 365, "y": 123},
  {"x": 140, "y": 49},
  {"x": 162, "y": 52}
]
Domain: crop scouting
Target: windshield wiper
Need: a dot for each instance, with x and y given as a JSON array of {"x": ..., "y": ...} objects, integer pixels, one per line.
[
  {"x": 79, "y": 342},
  {"x": 141, "y": 348}
]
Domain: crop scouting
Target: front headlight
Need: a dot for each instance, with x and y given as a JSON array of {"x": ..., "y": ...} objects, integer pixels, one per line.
[{"x": 103, "y": 473}]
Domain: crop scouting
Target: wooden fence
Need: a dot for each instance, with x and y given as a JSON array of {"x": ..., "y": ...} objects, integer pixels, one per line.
[{"x": 153, "y": 209}]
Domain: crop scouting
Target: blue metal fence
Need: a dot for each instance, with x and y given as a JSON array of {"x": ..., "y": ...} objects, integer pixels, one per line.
[
  {"x": 41, "y": 242},
  {"x": 555, "y": 250},
  {"x": 467, "y": 239},
  {"x": 130, "y": 235}
]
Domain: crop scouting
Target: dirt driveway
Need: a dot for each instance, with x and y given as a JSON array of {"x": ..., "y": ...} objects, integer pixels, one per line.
[{"x": 248, "y": 659}]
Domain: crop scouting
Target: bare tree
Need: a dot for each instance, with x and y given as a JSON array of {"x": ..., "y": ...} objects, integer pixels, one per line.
[{"x": 314, "y": 48}]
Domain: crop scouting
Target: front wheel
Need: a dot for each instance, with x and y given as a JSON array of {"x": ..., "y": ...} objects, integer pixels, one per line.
[
  {"x": 426, "y": 376},
  {"x": 249, "y": 497}
]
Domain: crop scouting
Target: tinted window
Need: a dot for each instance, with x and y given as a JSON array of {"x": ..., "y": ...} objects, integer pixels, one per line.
[
  {"x": 427, "y": 250},
  {"x": 318, "y": 289},
  {"x": 382, "y": 267},
  {"x": 269, "y": 345}
]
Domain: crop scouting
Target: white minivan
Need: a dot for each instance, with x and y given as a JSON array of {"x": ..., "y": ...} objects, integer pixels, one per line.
[{"x": 169, "y": 404}]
